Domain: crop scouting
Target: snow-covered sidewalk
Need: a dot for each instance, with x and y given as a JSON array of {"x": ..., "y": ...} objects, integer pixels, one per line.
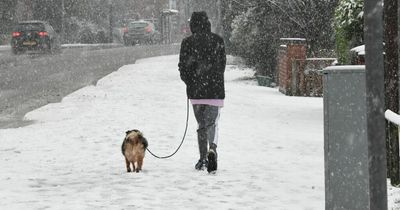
[{"x": 270, "y": 147}]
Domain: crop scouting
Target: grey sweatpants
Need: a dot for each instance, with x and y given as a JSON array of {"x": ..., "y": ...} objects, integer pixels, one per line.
[{"x": 207, "y": 117}]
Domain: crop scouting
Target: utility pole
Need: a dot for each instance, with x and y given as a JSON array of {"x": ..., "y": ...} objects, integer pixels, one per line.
[
  {"x": 62, "y": 21},
  {"x": 373, "y": 33},
  {"x": 111, "y": 19},
  {"x": 219, "y": 18}
]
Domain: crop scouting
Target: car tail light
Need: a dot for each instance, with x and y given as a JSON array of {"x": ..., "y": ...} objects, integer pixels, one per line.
[
  {"x": 125, "y": 30},
  {"x": 43, "y": 34},
  {"x": 16, "y": 34},
  {"x": 148, "y": 29}
]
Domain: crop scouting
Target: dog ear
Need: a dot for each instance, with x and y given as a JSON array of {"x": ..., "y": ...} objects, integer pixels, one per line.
[{"x": 133, "y": 130}]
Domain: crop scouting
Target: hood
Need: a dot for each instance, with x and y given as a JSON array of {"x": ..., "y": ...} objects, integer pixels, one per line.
[{"x": 199, "y": 22}]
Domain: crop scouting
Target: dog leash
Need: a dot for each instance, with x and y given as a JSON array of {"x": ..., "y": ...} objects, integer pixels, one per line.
[{"x": 183, "y": 138}]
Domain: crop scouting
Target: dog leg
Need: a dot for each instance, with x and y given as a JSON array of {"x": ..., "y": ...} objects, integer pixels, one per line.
[
  {"x": 128, "y": 165},
  {"x": 133, "y": 167},
  {"x": 136, "y": 166},
  {"x": 140, "y": 163}
]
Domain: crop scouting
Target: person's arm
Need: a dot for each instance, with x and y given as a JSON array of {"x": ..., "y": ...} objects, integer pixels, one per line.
[{"x": 183, "y": 60}]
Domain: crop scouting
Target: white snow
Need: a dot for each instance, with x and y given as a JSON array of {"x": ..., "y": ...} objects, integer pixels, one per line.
[
  {"x": 392, "y": 117},
  {"x": 270, "y": 148},
  {"x": 360, "y": 50},
  {"x": 78, "y": 45},
  {"x": 292, "y": 39},
  {"x": 5, "y": 47},
  {"x": 342, "y": 68},
  {"x": 90, "y": 45}
]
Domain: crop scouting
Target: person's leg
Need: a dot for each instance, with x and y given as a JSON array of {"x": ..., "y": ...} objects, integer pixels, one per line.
[
  {"x": 198, "y": 110},
  {"x": 211, "y": 117}
]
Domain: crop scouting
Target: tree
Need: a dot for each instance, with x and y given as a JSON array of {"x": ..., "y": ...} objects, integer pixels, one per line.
[
  {"x": 311, "y": 20},
  {"x": 260, "y": 24},
  {"x": 349, "y": 27},
  {"x": 392, "y": 86},
  {"x": 229, "y": 11},
  {"x": 7, "y": 16},
  {"x": 49, "y": 11}
]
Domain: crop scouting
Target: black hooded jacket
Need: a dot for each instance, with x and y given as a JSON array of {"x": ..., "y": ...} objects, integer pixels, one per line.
[{"x": 202, "y": 60}]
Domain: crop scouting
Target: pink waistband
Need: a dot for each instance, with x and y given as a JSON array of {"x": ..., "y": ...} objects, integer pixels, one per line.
[{"x": 212, "y": 102}]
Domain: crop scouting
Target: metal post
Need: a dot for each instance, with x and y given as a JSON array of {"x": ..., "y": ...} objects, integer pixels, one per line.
[
  {"x": 62, "y": 21},
  {"x": 219, "y": 19},
  {"x": 373, "y": 35},
  {"x": 111, "y": 27},
  {"x": 162, "y": 29},
  {"x": 169, "y": 28}
]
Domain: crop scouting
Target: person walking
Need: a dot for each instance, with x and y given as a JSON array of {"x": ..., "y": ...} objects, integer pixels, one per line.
[{"x": 202, "y": 62}]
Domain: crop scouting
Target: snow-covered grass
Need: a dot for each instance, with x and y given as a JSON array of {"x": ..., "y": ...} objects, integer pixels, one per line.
[
  {"x": 91, "y": 45},
  {"x": 270, "y": 148},
  {"x": 5, "y": 47},
  {"x": 78, "y": 45}
]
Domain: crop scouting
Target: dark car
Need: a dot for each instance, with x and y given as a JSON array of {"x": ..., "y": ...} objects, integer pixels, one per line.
[
  {"x": 138, "y": 32},
  {"x": 34, "y": 35}
]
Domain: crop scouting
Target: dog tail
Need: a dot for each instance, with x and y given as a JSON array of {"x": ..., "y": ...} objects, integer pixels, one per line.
[{"x": 145, "y": 143}]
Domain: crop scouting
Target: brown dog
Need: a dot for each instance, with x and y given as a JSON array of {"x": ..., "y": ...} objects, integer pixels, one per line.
[{"x": 134, "y": 148}]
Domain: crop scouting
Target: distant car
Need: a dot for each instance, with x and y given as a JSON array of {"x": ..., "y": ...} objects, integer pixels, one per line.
[
  {"x": 140, "y": 32},
  {"x": 34, "y": 35}
]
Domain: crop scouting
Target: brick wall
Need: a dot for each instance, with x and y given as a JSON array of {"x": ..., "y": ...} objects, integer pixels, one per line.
[
  {"x": 291, "y": 50},
  {"x": 284, "y": 76},
  {"x": 311, "y": 84}
]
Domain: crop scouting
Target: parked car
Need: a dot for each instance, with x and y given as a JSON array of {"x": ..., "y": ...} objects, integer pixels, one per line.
[
  {"x": 140, "y": 32},
  {"x": 34, "y": 35}
]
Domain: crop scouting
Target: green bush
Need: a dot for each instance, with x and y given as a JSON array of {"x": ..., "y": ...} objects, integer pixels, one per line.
[
  {"x": 258, "y": 25},
  {"x": 349, "y": 24}
]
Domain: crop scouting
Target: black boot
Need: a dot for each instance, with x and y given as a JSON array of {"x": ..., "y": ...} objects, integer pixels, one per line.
[
  {"x": 201, "y": 164},
  {"x": 212, "y": 158}
]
